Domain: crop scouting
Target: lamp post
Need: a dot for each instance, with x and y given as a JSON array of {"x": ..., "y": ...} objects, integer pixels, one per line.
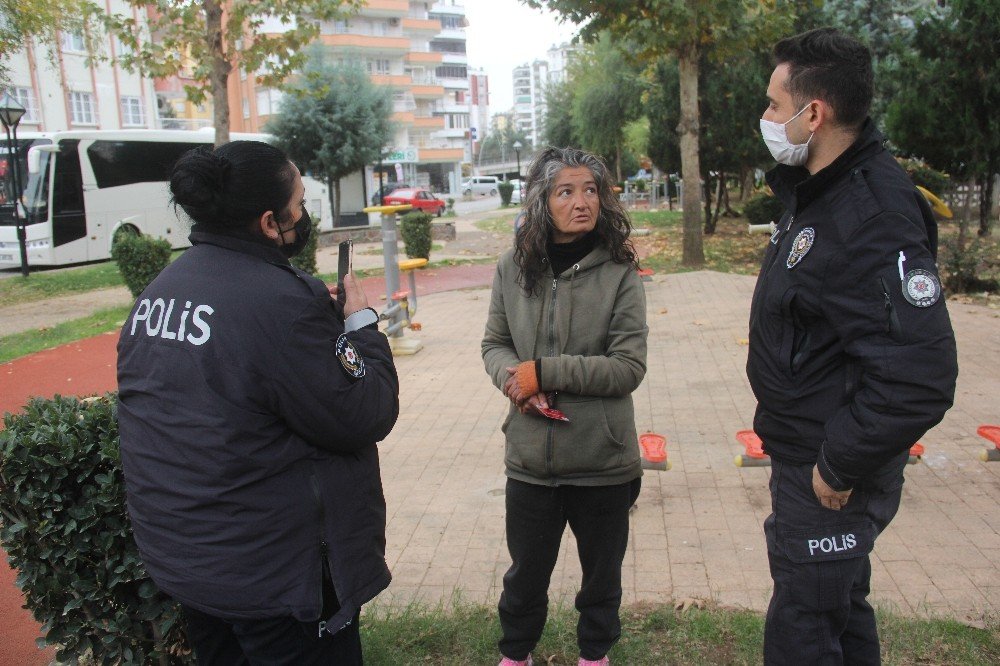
[
  {"x": 517, "y": 151},
  {"x": 10, "y": 115}
]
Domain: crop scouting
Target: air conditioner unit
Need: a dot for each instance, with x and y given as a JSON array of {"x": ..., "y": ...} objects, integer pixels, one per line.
[{"x": 393, "y": 22}]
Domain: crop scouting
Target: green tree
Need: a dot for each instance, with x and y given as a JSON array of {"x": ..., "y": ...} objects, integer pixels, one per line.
[
  {"x": 685, "y": 29},
  {"x": 24, "y": 20},
  {"x": 498, "y": 145},
  {"x": 607, "y": 95},
  {"x": 949, "y": 91},
  {"x": 558, "y": 123},
  {"x": 333, "y": 122},
  {"x": 214, "y": 37}
]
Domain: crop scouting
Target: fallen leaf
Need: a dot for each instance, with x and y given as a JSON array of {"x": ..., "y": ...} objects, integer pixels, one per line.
[
  {"x": 663, "y": 311},
  {"x": 743, "y": 341},
  {"x": 687, "y": 603}
]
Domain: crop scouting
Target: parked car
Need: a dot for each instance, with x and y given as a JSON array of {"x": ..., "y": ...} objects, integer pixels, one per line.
[
  {"x": 481, "y": 185},
  {"x": 419, "y": 198},
  {"x": 387, "y": 189},
  {"x": 515, "y": 196}
]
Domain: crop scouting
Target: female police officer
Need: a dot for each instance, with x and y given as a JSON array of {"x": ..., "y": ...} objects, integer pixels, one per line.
[{"x": 250, "y": 407}]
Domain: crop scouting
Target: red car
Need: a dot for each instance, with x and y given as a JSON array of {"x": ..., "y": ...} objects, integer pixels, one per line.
[{"x": 418, "y": 198}]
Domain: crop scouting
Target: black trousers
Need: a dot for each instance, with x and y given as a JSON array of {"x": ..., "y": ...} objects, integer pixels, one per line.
[
  {"x": 280, "y": 641},
  {"x": 536, "y": 518},
  {"x": 819, "y": 558}
]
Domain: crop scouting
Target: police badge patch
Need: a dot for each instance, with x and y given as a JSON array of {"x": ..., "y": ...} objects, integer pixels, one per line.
[
  {"x": 800, "y": 246},
  {"x": 349, "y": 358},
  {"x": 921, "y": 288}
]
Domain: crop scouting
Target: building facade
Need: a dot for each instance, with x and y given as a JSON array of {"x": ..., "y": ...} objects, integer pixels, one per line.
[
  {"x": 479, "y": 108},
  {"x": 61, "y": 88},
  {"x": 417, "y": 49},
  {"x": 530, "y": 81}
]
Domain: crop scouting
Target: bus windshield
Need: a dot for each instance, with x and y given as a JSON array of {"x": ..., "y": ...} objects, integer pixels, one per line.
[{"x": 35, "y": 206}]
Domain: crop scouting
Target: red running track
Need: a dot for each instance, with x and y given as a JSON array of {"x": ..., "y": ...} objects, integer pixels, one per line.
[{"x": 87, "y": 367}]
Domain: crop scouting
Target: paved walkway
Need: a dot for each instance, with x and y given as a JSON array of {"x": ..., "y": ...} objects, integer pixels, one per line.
[{"x": 697, "y": 529}]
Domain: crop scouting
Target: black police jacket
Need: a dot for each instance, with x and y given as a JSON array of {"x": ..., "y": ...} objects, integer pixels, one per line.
[
  {"x": 248, "y": 442},
  {"x": 852, "y": 356}
]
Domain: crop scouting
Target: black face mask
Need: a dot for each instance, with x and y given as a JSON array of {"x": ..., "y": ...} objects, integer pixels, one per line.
[{"x": 303, "y": 229}]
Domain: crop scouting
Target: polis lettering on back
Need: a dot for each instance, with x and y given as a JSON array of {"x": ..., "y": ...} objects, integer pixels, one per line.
[{"x": 156, "y": 318}]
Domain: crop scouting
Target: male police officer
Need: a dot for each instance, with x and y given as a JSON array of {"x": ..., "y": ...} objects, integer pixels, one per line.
[{"x": 852, "y": 356}]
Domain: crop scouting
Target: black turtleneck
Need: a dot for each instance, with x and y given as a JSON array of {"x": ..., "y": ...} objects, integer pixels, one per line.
[{"x": 564, "y": 255}]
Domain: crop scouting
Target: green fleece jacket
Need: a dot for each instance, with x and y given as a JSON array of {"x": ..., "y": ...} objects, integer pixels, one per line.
[{"x": 588, "y": 327}]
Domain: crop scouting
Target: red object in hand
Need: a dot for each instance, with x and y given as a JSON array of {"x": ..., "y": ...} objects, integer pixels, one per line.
[
  {"x": 654, "y": 447},
  {"x": 553, "y": 414}
]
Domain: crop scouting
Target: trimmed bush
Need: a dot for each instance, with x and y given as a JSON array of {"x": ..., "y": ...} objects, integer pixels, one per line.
[
  {"x": 139, "y": 259},
  {"x": 416, "y": 231},
  {"x": 66, "y": 531},
  {"x": 937, "y": 182},
  {"x": 506, "y": 192},
  {"x": 970, "y": 267},
  {"x": 763, "y": 209},
  {"x": 306, "y": 260}
]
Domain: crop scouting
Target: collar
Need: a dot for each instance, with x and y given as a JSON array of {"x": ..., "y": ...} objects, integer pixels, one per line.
[
  {"x": 797, "y": 189},
  {"x": 268, "y": 253}
]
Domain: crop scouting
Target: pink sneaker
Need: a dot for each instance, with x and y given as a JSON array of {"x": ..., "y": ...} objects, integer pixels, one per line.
[
  {"x": 603, "y": 661},
  {"x": 507, "y": 661}
]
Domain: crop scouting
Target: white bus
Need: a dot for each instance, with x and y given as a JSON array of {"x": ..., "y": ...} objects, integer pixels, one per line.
[{"x": 78, "y": 188}]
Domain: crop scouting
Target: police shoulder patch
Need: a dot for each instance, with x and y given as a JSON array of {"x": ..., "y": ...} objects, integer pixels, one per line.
[
  {"x": 921, "y": 288},
  {"x": 349, "y": 358},
  {"x": 800, "y": 246}
]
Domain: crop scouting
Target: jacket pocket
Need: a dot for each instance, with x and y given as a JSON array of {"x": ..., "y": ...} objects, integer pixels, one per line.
[
  {"x": 594, "y": 439},
  {"x": 525, "y": 448}
]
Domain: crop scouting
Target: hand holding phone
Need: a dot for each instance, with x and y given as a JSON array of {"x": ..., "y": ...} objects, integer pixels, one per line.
[{"x": 345, "y": 252}]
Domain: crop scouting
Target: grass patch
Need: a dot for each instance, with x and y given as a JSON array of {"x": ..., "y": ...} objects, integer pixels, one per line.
[
  {"x": 44, "y": 283},
  {"x": 661, "y": 219},
  {"x": 651, "y": 634},
  {"x": 502, "y": 224},
  {"x": 29, "y": 342},
  {"x": 729, "y": 250}
]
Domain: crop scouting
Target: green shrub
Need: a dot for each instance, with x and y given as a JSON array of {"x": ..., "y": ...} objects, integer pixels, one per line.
[
  {"x": 973, "y": 267},
  {"x": 763, "y": 209},
  {"x": 416, "y": 231},
  {"x": 66, "y": 531},
  {"x": 139, "y": 259},
  {"x": 306, "y": 260},
  {"x": 937, "y": 182},
  {"x": 506, "y": 191}
]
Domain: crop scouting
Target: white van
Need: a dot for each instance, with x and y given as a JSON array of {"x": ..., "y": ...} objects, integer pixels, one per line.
[{"x": 481, "y": 185}]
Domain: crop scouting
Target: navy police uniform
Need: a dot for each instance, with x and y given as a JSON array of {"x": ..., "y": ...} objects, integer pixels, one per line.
[
  {"x": 249, "y": 417},
  {"x": 852, "y": 359}
]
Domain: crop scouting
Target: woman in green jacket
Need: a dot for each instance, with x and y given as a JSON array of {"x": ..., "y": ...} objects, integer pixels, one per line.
[{"x": 567, "y": 332}]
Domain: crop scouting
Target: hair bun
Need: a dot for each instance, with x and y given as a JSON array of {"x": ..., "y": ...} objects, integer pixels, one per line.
[{"x": 198, "y": 184}]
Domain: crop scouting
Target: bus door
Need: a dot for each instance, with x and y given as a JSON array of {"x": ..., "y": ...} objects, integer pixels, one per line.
[{"x": 69, "y": 219}]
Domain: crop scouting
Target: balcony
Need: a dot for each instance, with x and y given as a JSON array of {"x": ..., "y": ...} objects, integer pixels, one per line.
[
  {"x": 393, "y": 80},
  {"x": 422, "y": 57},
  {"x": 403, "y": 117},
  {"x": 441, "y": 155},
  {"x": 427, "y": 92},
  {"x": 430, "y": 122},
  {"x": 387, "y": 45},
  {"x": 392, "y": 8},
  {"x": 426, "y": 27}
]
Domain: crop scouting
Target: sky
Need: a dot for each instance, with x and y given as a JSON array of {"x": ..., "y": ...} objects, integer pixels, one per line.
[{"x": 503, "y": 34}]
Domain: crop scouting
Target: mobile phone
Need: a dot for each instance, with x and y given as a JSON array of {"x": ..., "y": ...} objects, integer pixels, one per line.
[{"x": 345, "y": 252}]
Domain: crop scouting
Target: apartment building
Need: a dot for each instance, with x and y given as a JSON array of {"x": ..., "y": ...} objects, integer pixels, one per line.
[
  {"x": 530, "y": 81},
  {"x": 61, "y": 90},
  {"x": 479, "y": 109},
  {"x": 418, "y": 50}
]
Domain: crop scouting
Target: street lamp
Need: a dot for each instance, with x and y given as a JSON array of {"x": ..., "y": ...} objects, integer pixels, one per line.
[
  {"x": 517, "y": 151},
  {"x": 10, "y": 115}
]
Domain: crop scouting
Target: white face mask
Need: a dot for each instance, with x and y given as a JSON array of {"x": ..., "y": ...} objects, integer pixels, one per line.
[{"x": 783, "y": 150}]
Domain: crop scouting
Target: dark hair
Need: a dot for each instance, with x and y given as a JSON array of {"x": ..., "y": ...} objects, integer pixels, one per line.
[
  {"x": 829, "y": 65},
  {"x": 613, "y": 224},
  {"x": 229, "y": 186}
]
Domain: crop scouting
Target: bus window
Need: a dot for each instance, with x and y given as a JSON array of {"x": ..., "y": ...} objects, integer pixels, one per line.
[
  {"x": 9, "y": 169},
  {"x": 36, "y": 191},
  {"x": 118, "y": 163},
  {"x": 68, "y": 220}
]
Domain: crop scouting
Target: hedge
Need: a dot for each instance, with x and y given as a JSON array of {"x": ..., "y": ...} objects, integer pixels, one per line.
[
  {"x": 65, "y": 528},
  {"x": 506, "y": 191},
  {"x": 416, "y": 231},
  {"x": 763, "y": 209},
  {"x": 139, "y": 259}
]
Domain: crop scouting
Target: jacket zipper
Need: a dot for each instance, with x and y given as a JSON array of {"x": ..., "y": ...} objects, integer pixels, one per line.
[
  {"x": 893, "y": 327},
  {"x": 324, "y": 549},
  {"x": 549, "y": 466}
]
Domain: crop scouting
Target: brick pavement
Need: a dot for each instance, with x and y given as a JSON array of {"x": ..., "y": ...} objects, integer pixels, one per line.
[{"x": 697, "y": 529}]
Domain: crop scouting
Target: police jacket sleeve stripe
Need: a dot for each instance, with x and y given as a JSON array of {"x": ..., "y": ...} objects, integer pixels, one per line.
[
  {"x": 906, "y": 354},
  {"x": 323, "y": 404}
]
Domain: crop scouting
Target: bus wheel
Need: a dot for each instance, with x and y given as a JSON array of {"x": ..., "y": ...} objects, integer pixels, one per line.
[{"x": 126, "y": 230}]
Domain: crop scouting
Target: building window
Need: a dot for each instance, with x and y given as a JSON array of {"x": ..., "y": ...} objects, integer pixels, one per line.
[
  {"x": 449, "y": 22},
  {"x": 447, "y": 46},
  {"x": 82, "y": 108},
  {"x": 268, "y": 102},
  {"x": 459, "y": 97},
  {"x": 378, "y": 66},
  {"x": 26, "y": 98},
  {"x": 341, "y": 27},
  {"x": 72, "y": 42},
  {"x": 246, "y": 108},
  {"x": 452, "y": 71},
  {"x": 132, "y": 112}
]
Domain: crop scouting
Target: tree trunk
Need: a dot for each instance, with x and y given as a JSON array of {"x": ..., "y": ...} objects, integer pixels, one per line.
[
  {"x": 220, "y": 70},
  {"x": 329, "y": 196},
  {"x": 986, "y": 204},
  {"x": 618, "y": 162},
  {"x": 336, "y": 203},
  {"x": 708, "y": 202},
  {"x": 694, "y": 252}
]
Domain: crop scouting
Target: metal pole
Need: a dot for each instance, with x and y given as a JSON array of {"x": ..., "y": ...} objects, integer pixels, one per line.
[
  {"x": 389, "y": 252},
  {"x": 381, "y": 190},
  {"x": 22, "y": 232}
]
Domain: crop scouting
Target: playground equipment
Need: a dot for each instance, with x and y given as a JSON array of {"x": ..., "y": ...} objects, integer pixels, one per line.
[
  {"x": 398, "y": 301},
  {"x": 755, "y": 456},
  {"x": 654, "y": 451},
  {"x": 990, "y": 433}
]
